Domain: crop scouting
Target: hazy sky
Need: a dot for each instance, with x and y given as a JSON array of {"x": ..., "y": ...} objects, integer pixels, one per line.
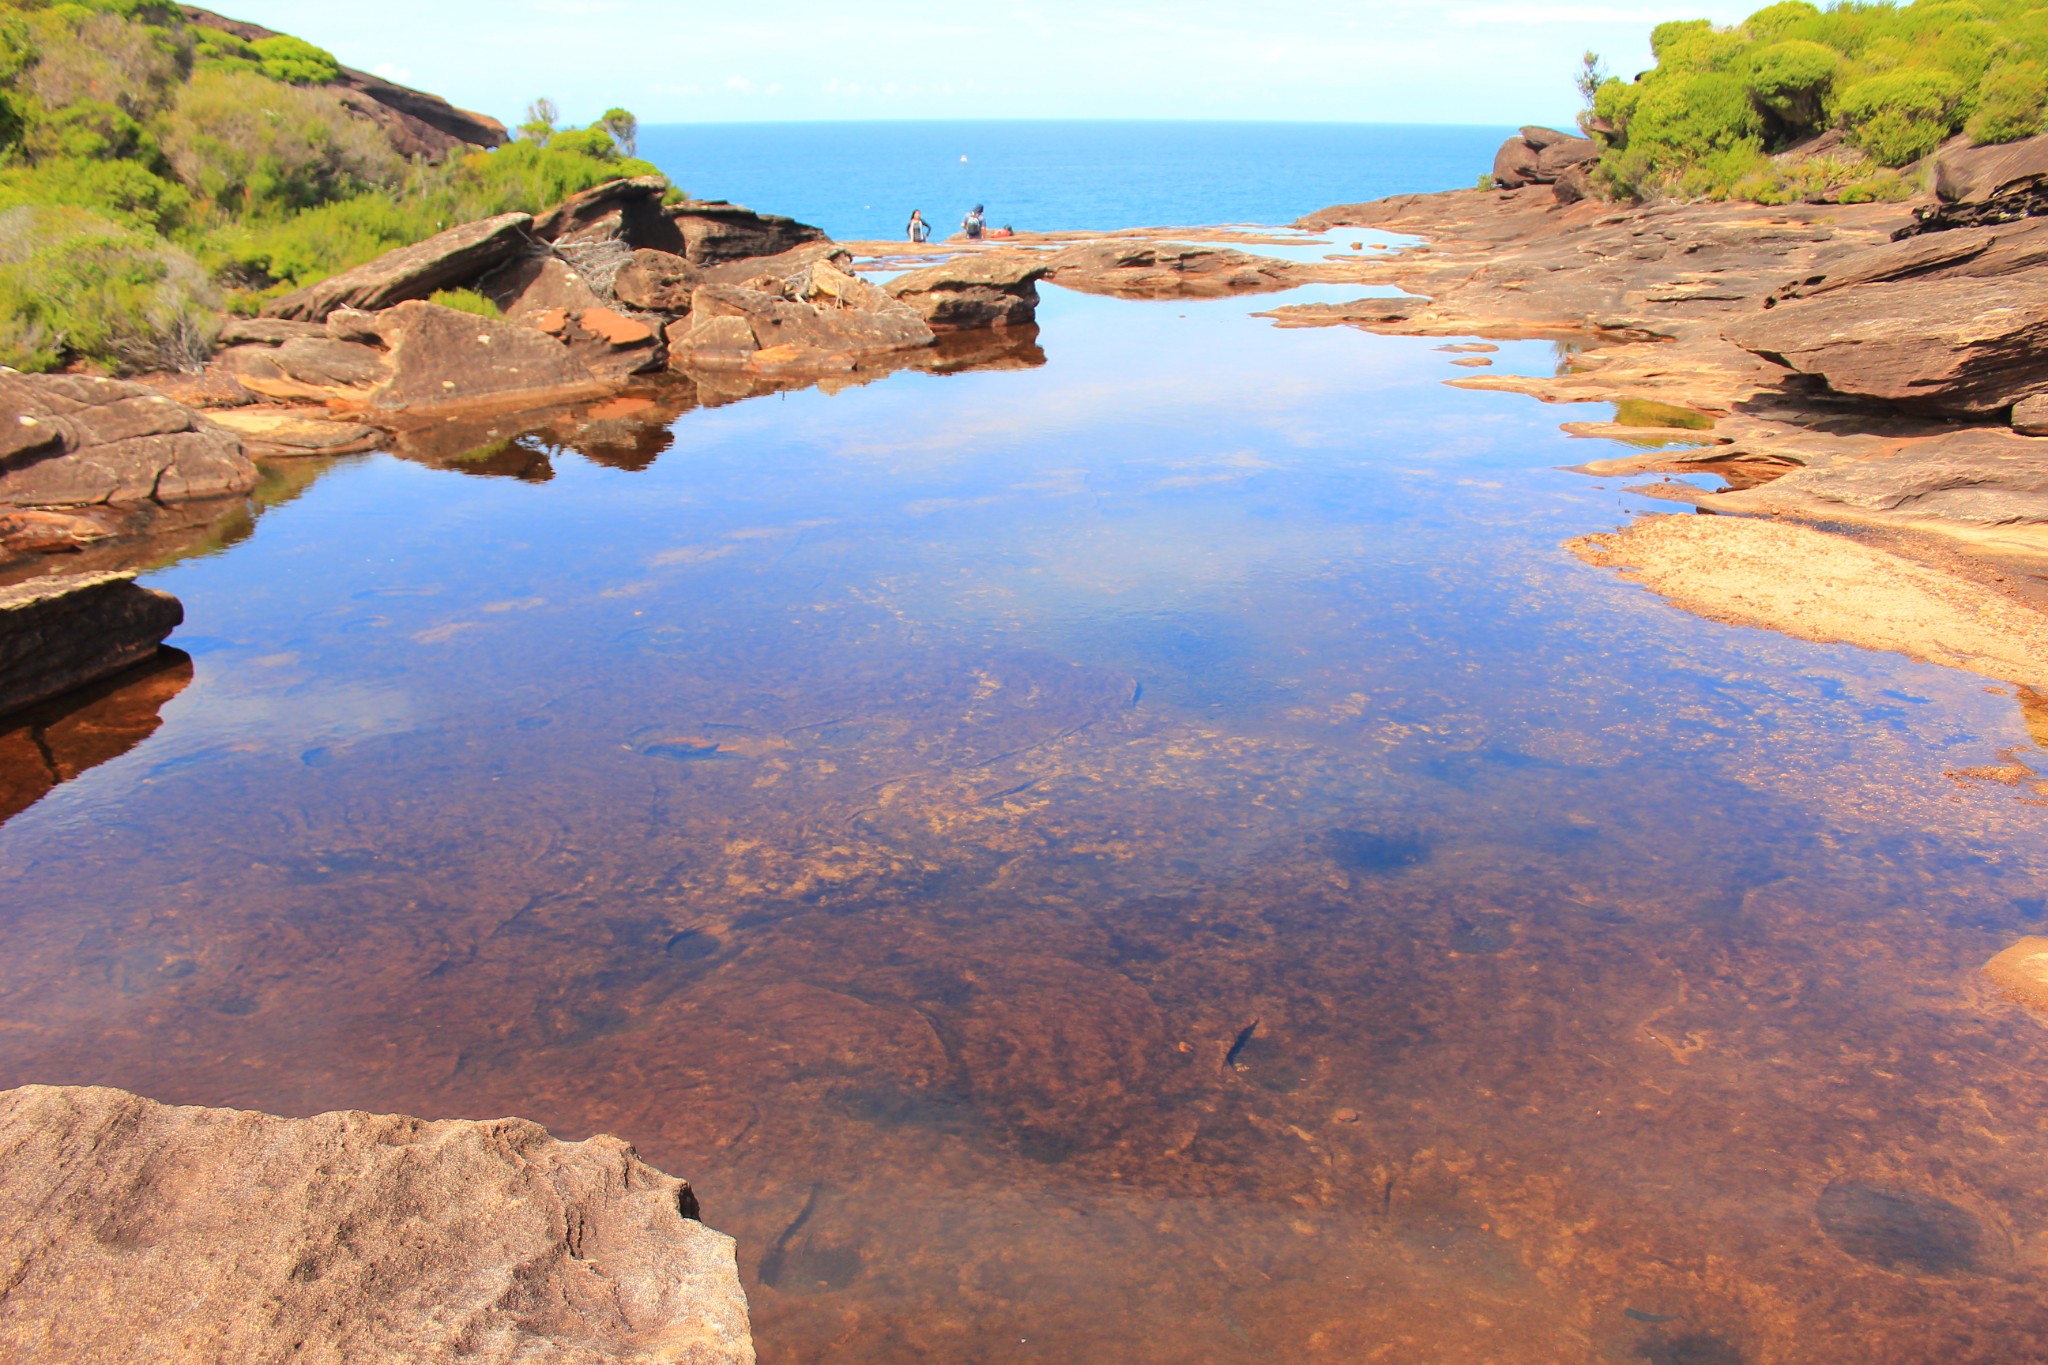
[{"x": 1422, "y": 61}]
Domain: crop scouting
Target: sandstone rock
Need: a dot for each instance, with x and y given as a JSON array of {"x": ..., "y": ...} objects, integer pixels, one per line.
[
  {"x": 139, "y": 1231},
  {"x": 536, "y": 284},
  {"x": 657, "y": 282},
  {"x": 1364, "y": 312},
  {"x": 61, "y": 633},
  {"x": 442, "y": 358},
  {"x": 782, "y": 267},
  {"x": 1968, "y": 175},
  {"x": 1983, "y": 476},
  {"x": 68, "y": 440},
  {"x": 52, "y": 531},
  {"x": 1154, "y": 270},
  {"x": 630, "y": 210},
  {"x": 1974, "y": 346},
  {"x": 825, "y": 335},
  {"x": 1539, "y": 156},
  {"x": 457, "y": 256},
  {"x": 612, "y": 346},
  {"x": 972, "y": 293},
  {"x": 722, "y": 341},
  {"x": 272, "y": 432},
  {"x": 1966, "y": 253},
  {"x": 265, "y": 331},
  {"x": 714, "y": 232},
  {"x": 2021, "y": 972},
  {"x": 2030, "y": 416},
  {"x": 304, "y": 367}
]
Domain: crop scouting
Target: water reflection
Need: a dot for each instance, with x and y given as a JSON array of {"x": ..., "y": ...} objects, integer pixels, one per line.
[
  {"x": 50, "y": 744},
  {"x": 1154, "y": 856}
]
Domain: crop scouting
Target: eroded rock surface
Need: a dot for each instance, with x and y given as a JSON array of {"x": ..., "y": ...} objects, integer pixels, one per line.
[
  {"x": 455, "y": 257},
  {"x": 973, "y": 293},
  {"x": 1156, "y": 270},
  {"x": 72, "y": 440},
  {"x": 714, "y": 232},
  {"x": 59, "y": 633},
  {"x": 131, "y": 1230}
]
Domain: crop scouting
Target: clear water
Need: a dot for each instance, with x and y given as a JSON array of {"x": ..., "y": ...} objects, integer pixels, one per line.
[
  {"x": 859, "y": 181},
  {"x": 1155, "y": 855}
]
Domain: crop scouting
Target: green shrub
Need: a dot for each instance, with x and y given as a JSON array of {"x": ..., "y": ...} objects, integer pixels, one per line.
[
  {"x": 235, "y": 136},
  {"x": 467, "y": 301},
  {"x": 125, "y": 191},
  {"x": 1790, "y": 83},
  {"x": 295, "y": 61},
  {"x": 1901, "y": 116},
  {"x": 77, "y": 288},
  {"x": 2009, "y": 103}
]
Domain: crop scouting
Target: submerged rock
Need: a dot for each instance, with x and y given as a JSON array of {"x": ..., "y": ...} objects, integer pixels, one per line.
[
  {"x": 448, "y": 259},
  {"x": 142, "y": 1231},
  {"x": 60, "y": 633},
  {"x": 2021, "y": 972},
  {"x": 71, "y": 440}
]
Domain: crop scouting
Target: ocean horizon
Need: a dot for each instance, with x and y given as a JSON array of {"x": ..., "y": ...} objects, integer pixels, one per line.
[{"x": 860, "y": 180}]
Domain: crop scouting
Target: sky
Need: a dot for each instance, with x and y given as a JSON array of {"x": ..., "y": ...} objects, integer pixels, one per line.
[{"x": 1371, "y": 61}]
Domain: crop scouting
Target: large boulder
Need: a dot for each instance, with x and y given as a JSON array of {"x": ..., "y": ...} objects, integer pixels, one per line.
[
  {"x": 60, "y": 633},
  {"x": 973, "y": 293},
  {"x": 1972, "y": 347},
  {"x": 714, "y": 232},
  {"x": 1541, "y": 156},
  {"x": 442, "y": 358},
  {"x": 728, "y": 321},
  {"x": 1976, "y": 186},
  {"x": 72, "y": 440},
  {"x": 139, "y": 1231},
  {"x": 1164, "y": 270},
  {"x": 629, "y": 211},
  {"x": 536, "y": 284},
  {"x": 656, "y": 282},
  {"x": 455, "y": 257}
]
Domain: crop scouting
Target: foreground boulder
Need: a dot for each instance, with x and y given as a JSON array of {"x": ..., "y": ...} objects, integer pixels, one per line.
[
  {"x": 57, "y": 634},
  {"x": 444, "y": 261},
  {"x": 1164, "y": 270},
  {"x": 74, "y": 440},
  {"x": 974, "y": 293},
  {"x": 139, "y": 1231},
  {"x": 1973, "y": 347}
]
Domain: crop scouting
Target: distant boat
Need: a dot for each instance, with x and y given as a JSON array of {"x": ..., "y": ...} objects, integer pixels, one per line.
[{"x": 963, "y": 161}]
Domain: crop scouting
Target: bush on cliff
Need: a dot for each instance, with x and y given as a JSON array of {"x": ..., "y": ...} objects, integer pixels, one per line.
[
  {"x": 1725, "y": 111},
  {"x": 149, "y": 165}
]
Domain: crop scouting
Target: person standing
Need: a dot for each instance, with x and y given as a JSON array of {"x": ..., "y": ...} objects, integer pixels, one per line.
[
  {"x": 920, "y": 230},
  {"x": 974, "y": 224}
]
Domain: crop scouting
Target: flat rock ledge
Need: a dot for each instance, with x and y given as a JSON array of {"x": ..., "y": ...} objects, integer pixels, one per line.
[
  {"x": 132, "y": 1230},
  {"x": 1826, "y": 588},
  {"x": 63, "y": 632}
]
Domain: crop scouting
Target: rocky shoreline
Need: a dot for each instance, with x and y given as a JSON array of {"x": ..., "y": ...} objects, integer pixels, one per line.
[{"x": 1839, "y": 368}]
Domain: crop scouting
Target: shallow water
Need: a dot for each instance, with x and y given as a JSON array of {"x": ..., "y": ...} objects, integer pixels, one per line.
[{"x": 1160, "y": 856}]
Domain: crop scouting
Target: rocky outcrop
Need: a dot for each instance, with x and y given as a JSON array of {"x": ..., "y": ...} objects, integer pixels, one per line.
[
  {"x": 715, "y": 232},
  {"x": 973, "y": 293},
  {"x": 1541, "y": 156},
  {"x": 417, "y": 124},
  {"x": 60, "y": 633},
  {"x": 731, "y": 324},
  {"x": 438, "y": 357},
  {"x": 1977, "y": 476},
  {"x": 1972, "y": 347},
  {"x": 1975, "y": 186},
  {"x": 627, "y": 211},
  {"x": 656, "y": 282},
  {"x": 72, "y": 440},
  {"x": 140, "y": 1231},
  {"x": 456, "y": 257},
  {"x": 1164, "y": 270}
]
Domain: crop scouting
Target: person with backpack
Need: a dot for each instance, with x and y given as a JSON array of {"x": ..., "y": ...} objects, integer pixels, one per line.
[{"x": 974, "y": 224}]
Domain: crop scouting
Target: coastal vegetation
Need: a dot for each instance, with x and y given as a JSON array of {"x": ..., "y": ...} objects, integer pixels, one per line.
[
  {"x": 155, "y": 170},
  {"x": 1799, "y": 102}
]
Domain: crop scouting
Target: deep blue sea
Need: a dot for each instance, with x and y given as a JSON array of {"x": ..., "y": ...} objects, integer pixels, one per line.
[{"x": 861, "y": 180}]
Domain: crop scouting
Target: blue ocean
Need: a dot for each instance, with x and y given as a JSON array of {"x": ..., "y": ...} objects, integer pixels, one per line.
[{"x": 861, "y": 180}]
